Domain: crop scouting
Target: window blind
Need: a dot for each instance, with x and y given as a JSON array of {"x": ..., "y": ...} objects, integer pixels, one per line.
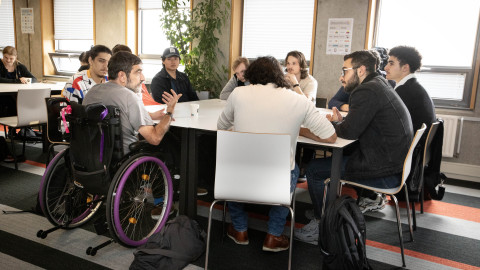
[
  {"x": 73, "y": 20},
  {"x": 149, "y": 4},
  {"x": 275, "y": 27},
  {"x": 7, "y": 26}
]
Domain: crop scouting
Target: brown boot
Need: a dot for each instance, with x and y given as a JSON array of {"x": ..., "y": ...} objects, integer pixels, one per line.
[
  {"x": 275, "y": 243},
  {"x": 240, "y": 238}
]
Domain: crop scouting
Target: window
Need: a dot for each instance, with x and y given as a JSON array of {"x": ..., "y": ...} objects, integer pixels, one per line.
[
  {"x": 73, "y": 23},
  {"x": 275, "y": 27},
  {"x": 151, "y": 46},
  {"x": 445, "y": 33},
  {"x": 7, "y": 26}
]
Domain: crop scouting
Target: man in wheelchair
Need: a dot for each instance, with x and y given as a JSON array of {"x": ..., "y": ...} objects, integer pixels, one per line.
[
  {"x": 126, "y": 78},
  {"x": 79, "y": 179}
]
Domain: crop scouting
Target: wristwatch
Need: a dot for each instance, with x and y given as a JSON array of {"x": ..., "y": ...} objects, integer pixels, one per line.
[
  {"x": 295, "y": 85},
  {"x": 169, "y": 114}
]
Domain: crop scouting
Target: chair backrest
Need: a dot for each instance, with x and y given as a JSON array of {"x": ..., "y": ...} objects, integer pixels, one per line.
[
  {"x": 321, "y": 103},
  {"x": 253, "y": 167},
  {"x": 428, "y": 142},
  {"x": 31, "y": 109},
  {"x": 407, "y": 166}
]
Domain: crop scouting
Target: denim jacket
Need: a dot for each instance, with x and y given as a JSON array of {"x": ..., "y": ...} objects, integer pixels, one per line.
[{"x": 380, "y": 121}]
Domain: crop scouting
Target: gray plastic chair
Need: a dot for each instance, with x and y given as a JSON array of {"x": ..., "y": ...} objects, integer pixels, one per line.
[
  {"x": 253, "y": 168},
  {"x": 31, "y": 111}
]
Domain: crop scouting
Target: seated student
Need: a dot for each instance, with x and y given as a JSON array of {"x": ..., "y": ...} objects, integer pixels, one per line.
[
  {"x": 11, "y": 70},
  {"x": 380, "y": 122},
  {"x": 79, "y": 84},
  {"x": 269, "y": 106},
  {"x": 297, "y": 74},
  {"x": 340, "y": 100},
  {"x": 147, "y": 99},
  {"x": 239, "y": 66},
  {"x": 126, "y": 78},
  {"x": 401, "y": 67},
  {"x": 304, "y": 84},
  {"x": 170, "y": 78}
]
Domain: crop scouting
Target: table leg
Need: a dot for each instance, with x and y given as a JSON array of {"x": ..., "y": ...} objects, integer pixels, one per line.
[
  {"x": 335, "y": 175},
  {"x": 192, "y": 173},
  {"x": 183, "y": 203}
]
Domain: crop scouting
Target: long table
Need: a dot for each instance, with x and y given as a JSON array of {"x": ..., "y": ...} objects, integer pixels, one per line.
[
  {"x": 206, "y": 122},
  {"x": 12, "y": 88}
]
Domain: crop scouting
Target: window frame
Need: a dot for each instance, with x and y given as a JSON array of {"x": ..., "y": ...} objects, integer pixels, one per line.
[
  {"x": 237, "y": 10},
  {"x": 471, "y": 73}
]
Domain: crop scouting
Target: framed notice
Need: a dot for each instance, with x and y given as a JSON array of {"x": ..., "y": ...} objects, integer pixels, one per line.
[
  {"x": 339, "y": 40},
  {"x": 27, "y": 20}
]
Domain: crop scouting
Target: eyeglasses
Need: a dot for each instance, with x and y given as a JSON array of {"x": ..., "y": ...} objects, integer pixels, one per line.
[{"x": 345, "y": 69}]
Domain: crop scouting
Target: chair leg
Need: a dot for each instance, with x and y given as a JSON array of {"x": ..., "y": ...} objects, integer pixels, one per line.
[
  {"x": 421, "y": 201},
  {"x": 410, "y": 228},
  {"x": 327, "y": 181},
  {"x": 223, "y": 220},
  {"x": 14, "y": 154},
  {"x": 414, "y": 216},
  {"x": 399, "y": 224},
  {"x": 208, "y": 233},
  {"x": 292, "y": 224}
]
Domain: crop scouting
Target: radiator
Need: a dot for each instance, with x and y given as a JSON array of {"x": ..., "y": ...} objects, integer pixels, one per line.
[{"x": 449, "y": 135}]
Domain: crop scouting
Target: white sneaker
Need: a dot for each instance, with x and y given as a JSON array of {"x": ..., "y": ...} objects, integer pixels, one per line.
[
  {"x": 308, "y": 233},
  {"x": 367, "y": 204}
]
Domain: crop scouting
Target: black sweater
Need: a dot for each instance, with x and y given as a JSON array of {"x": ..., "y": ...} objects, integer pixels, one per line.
[{"x": 19, "y": 72}]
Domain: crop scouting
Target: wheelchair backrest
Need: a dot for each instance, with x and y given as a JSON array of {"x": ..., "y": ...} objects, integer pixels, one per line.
[{"x": 95, "y": 142}]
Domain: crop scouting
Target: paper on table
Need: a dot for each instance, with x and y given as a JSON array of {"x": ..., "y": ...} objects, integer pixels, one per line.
[{"x": 182, "y": 110}]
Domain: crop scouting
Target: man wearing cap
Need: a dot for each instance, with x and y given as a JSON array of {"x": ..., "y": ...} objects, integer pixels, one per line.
[{"x": 170, "y": 78}]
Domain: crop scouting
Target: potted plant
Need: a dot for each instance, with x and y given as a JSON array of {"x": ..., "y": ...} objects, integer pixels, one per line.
[{"x": 195, "y": 33}]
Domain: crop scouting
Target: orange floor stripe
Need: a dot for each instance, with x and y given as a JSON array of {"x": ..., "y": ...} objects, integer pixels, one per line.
[
  {"x": 34, "y": 163},
  {"x": 375, "y": 244},
  {"x": 422, "y": 256}
]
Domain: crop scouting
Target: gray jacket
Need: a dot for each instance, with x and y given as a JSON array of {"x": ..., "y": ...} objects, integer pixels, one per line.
[
  {"x": 380, "y": 121},
  {"x": 230, "y": 86}
]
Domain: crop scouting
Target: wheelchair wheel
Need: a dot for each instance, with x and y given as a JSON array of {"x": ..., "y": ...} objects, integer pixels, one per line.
[
  {"x": 139, "y": 200},
  {"x": 63, "y": 201}
]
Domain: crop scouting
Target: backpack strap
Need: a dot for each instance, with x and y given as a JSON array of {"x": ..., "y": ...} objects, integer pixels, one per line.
[{"x": 165, "y": 252}]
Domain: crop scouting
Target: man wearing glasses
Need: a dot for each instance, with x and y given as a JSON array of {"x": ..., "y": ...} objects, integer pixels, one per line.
[{"x": 380, "y": 122}]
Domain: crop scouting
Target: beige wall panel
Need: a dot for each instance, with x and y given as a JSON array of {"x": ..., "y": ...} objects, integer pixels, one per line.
[
  {"x": 327, "y": 67},
  {"x": 110, "y": 22}
]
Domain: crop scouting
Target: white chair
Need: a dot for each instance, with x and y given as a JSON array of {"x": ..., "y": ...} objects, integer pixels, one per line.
[
  {"x": 392, "y": 191},
  {"x": 253, "y": 168},
  {"x": 31, "y": 111}
]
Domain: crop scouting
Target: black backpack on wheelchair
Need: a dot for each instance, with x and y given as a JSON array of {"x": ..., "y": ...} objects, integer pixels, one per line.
[{"x": 92, "y": 171}]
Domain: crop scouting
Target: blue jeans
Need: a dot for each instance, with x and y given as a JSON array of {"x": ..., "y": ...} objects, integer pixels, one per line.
[
  {"x": 277, "y": 215},
  {"x": 319, "y": 169}
]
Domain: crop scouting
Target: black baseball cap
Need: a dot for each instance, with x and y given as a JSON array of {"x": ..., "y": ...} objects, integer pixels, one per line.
[{"x": 170, "y": 51}]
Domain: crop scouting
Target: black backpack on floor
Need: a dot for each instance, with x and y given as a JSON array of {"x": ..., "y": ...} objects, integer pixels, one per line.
[
  {"x": 179, "y": 243},
  {"x": 343, "y": 236}
]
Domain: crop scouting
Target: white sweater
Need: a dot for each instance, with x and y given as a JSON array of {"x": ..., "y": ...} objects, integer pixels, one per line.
[{"x": 267, "y": 109}]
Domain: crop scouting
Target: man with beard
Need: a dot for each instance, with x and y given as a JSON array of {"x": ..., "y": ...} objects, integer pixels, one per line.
[
  {"x": 126, "y": 78},
  {"x": 380, "y": 122}
]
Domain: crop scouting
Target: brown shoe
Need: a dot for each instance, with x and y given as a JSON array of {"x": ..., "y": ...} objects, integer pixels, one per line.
[
  {"x": 240, "y": 238},
  {"x": 275, "y": 243}
]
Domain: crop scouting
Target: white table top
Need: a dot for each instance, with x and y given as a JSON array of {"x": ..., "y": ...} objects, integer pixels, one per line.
[
  {"x": 13, "y": 87},
  {"x": 210, "y": 110}
]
